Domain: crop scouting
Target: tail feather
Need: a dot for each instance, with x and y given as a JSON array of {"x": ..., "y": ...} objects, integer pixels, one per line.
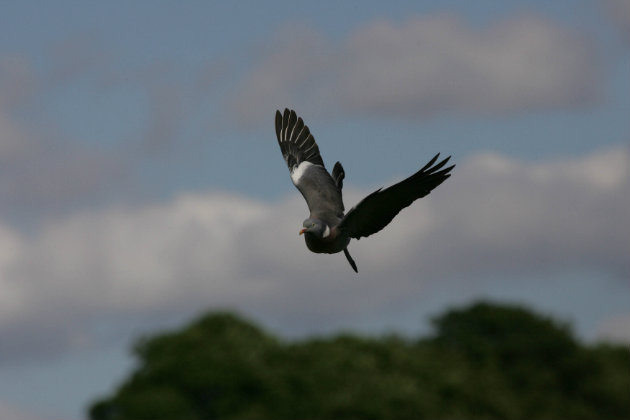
[{"x": 350, "y": 260}]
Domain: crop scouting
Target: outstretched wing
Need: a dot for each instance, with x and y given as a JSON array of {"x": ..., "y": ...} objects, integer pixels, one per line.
[
  {"x": 376, "y": 210},
  {"x": 306, "y": 166},
  {"x": 296, "y": 141}
]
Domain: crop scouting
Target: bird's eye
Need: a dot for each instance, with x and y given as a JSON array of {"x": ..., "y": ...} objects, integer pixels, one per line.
[{"x": 312, "y": 224}]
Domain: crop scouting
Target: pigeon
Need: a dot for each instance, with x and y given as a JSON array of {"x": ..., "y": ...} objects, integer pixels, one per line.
[{"x": 327, "y": 229}]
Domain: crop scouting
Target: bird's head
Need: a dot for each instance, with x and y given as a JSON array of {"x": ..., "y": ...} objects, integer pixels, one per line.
[{"x": 315, "y": 227}]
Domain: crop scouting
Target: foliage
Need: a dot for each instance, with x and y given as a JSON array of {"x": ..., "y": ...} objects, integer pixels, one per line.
[{"x": 484, "y": 361}]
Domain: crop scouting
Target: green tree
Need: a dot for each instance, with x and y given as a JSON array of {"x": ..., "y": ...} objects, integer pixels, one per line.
[{"x": 483, "y": 361}]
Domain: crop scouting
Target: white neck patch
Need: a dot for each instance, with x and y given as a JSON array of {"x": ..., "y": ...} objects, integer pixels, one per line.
[
  {"x": 326, "y": 232},
  {"x": 299, "y": 171}
]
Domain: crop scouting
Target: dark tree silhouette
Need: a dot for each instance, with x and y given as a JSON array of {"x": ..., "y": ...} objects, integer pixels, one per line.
[{"x": 483, "y": 361}]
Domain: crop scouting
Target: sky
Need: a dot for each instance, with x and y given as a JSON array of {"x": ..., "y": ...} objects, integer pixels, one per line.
[{"x": 141, "y": 183}]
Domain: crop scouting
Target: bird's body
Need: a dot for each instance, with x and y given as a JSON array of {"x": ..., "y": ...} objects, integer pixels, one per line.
[
  {"x": 329, "y": 245},
  {"x": 328, "y": 230}
]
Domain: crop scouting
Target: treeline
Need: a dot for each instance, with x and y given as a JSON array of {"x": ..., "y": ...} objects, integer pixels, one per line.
[{"x": 482, "y": 361}]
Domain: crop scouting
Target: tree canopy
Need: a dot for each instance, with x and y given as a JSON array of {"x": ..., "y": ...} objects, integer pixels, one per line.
[{"x": 482, "y": 361}]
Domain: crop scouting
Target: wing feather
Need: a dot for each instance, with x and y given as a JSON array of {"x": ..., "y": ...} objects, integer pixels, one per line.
[
  {"x": 379, "y": 208},
  {"x": 298, "y": 146}
]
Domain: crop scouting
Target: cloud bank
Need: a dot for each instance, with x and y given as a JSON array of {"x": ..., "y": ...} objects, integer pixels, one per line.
[
  {"x": 618, "y": 11},
  {"x": 61, "y": 285},
  {"x": 424, "y": 66}
]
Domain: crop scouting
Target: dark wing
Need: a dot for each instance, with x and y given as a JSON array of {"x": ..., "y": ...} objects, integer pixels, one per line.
[
  {"x": 307, "y": 169},
  {"x": 338, "y": 175},
  {"x": 376, "y": 210}
]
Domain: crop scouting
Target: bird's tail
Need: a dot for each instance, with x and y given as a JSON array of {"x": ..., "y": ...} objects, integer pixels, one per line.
[{"x": 350, "y": 260}]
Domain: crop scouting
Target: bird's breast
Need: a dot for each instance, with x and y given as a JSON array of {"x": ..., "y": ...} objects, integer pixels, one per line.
[{"x": 331, "y": 244}]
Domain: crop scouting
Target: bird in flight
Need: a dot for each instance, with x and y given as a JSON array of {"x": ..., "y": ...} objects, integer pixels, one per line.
[{"x": 327, "y": 229}]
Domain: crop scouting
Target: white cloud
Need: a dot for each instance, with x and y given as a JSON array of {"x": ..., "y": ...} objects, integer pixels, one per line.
[
  {"x": 495, "y": 216},
  {"x": 17, "y": 81},
  {"x": 9, "y": 411},
  {"x": 616, "y": 329},
  {"x": 61, "y": 150},
  {"x": 12, "y": 141},
  {"x": 618, "y": 11},
  {"x": 44, "y": 172},
  {"x": 46, "y": 168},
  {"x": 543, "y": 215},
  {"x": 424, "y": 66}
]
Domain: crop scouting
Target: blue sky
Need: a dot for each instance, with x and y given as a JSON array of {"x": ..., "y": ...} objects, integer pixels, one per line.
[{"x": 141, "y": 182}]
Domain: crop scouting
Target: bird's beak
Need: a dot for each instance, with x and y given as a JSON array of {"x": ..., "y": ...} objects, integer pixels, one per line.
[{"x": 302, "y": 231}]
